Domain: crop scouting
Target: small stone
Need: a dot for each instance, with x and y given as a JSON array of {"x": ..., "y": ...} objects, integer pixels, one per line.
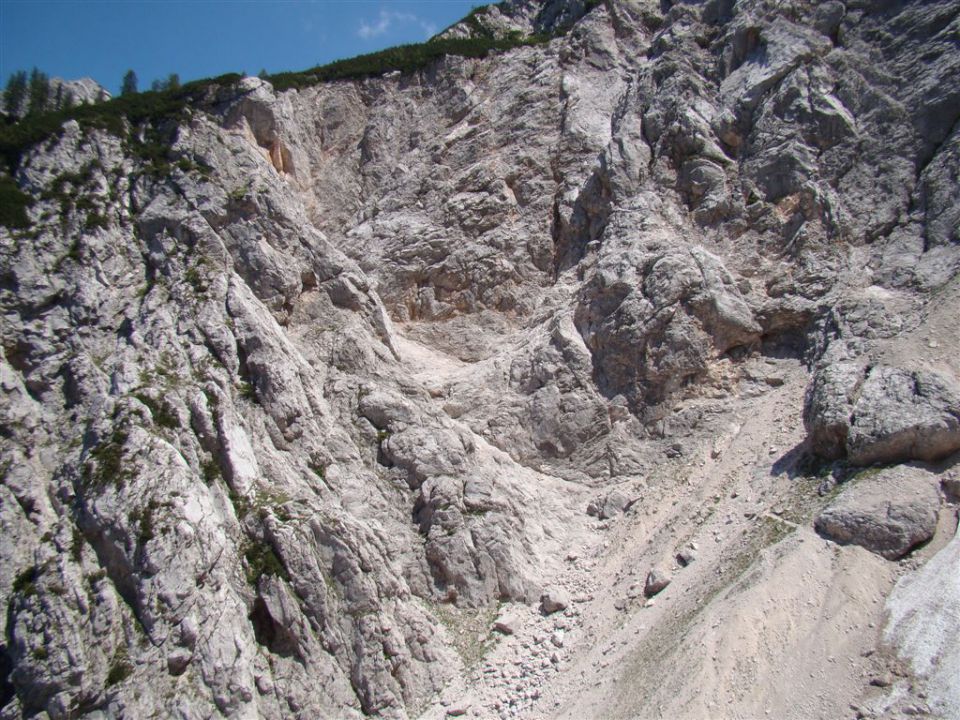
[
  {"x": 457, "y": 710},
  {"x": 884, "y": 680},
  {"x": 554, "y": 600},
  {"x": 507, "y": 623},
  {"x": 657, "y": 580},
  {"x": 685, "y": 557},
  {"x": 951, "y": 488},
  {"x": 557, "y": 638}
]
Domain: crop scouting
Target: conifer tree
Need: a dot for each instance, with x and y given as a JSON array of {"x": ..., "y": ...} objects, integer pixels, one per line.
[
  {"x": 15, "y": 94},
  {"x": 39, "y": 92},
  {"x": 129, "y": 86}
]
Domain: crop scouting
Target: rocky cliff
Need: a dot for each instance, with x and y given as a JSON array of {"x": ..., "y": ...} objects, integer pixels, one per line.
[{"x": 611, "y": 375}]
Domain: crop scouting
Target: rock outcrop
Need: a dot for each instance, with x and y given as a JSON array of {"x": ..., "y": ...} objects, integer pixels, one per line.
[
  {"x": 301, "y": 385},
  {"x": 882, "y": 414},
  {"x": 889, "y": 512}
]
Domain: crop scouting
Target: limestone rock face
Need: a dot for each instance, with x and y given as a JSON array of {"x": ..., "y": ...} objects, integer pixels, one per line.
[
  {"x": 288, "y": 415},
  {"x": 84, "y": 90},
  {"x": 655, "y": 321}
]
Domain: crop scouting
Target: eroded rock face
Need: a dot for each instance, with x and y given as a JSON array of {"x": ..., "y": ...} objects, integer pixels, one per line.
[
  {"x": 655, "y": 320},
  {"x": 276, "y": 424}
]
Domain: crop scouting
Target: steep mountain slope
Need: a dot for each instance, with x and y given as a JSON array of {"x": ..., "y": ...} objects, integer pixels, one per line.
[{"x": 304, "y": 389}]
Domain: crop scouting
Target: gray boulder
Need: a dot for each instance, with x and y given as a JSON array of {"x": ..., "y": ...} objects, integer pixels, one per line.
[
  {"x": 902, "y": 415},
  {"x": 882, "y": 414},
  {"x": 609, "y": 505},
  {"x": 889, "y": 513},
  {"x": 826, "y": 413}
]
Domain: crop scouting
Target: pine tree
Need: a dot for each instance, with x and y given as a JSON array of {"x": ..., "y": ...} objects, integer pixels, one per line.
[
  {"x": 171, "y": 83},
  {"x": 129, "y": 86},
  {"x": 39, "y": 92},
  {"x": 15, "y": 93}
]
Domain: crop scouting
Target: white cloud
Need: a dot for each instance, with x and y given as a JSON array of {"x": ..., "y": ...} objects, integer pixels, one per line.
[{"x": 386, "y": 19}]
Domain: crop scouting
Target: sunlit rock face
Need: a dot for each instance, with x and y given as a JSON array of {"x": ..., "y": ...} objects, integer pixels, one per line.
[{"x": 288, "y": 418}]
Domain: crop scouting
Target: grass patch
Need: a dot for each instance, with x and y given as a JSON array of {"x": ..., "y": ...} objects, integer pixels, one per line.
[
  {"x": 210, "y": 470},
  {"x": 194, "y": 165},
  {"x": 470, "y": 630},
  {"x": 241, "y": 506},
  {"x": 273, "y": 501},
  {"x": 94, "y": 221}
]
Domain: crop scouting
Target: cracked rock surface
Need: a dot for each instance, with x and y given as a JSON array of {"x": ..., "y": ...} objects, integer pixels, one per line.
[{"x": 373, "y": 366}]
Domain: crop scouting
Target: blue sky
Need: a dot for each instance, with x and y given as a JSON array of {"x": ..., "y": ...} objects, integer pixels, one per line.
[{"x": 201, "y": 38}]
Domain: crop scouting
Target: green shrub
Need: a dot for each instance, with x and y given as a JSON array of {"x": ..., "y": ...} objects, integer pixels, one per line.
[
  {"x": 161, "y": 413},
  {"x": 147, "y": 523},
  {"x": 76, "y": 544},
  {"x": 120, "y": 668},
  {"x": 405, "y": 58},
  {"x": 156, "y": 108},
  {"x": 13, "y": 205},
  {"x": 210, "y": 471},
  {"x": 263, "y": 560},
  {"x": 108, "y": 459},
  {"x": 25, "y": 582},
  {"x": 248, "y": 391}
]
